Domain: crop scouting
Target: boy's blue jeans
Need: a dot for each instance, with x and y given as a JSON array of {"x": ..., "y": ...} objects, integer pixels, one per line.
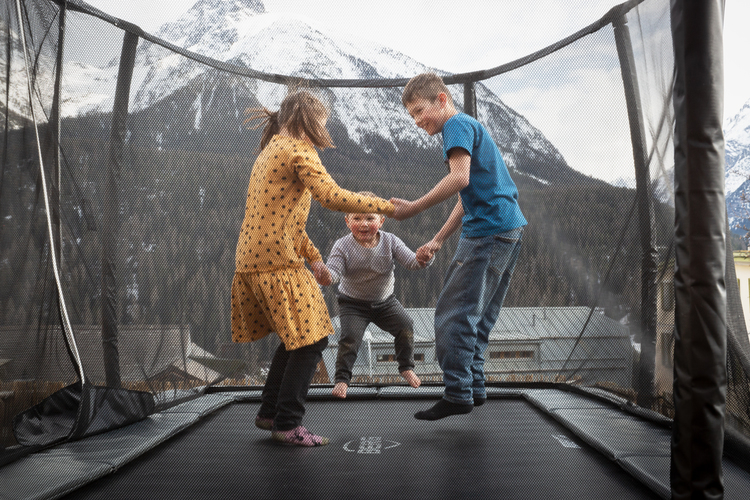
[{"x": 468, "y": 306}]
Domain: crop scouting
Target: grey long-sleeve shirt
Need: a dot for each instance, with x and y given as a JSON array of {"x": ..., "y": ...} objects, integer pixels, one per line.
[{"x": 367, "y": 273}]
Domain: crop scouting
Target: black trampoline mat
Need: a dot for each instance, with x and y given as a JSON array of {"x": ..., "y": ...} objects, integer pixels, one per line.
[{"x": 505, "y": 449}]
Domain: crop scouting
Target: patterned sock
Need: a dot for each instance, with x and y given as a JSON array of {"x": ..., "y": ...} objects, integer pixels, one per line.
[{"x": 299, "y": 436}]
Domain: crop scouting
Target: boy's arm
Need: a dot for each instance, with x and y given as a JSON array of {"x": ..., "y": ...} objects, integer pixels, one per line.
[
  {"x": 459, "y": 162},
  {"x": 427, "y": 251}
]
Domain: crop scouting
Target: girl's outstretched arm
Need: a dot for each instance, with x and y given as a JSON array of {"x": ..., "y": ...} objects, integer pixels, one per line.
[{"x": 324, "y": 189}]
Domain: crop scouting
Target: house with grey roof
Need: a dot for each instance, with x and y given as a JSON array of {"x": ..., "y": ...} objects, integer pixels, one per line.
[
  {"x": 527, "y": 344},
  {"x": 151, "y": 353}
]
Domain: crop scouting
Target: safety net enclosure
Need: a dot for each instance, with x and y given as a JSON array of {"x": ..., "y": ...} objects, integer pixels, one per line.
[{"x": 124, "y": 171}]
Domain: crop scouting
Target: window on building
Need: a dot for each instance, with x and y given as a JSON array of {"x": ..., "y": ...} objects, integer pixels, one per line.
[
  {"x": 385, "y": 358},
  {"x": 511, "y": 354}
]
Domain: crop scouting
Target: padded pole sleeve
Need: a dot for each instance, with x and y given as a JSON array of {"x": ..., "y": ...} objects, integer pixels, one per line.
[{"x": 700, "y": 375}]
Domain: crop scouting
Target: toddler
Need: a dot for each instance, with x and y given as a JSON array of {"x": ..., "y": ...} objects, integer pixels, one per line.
[{"x": 362, "y": 263}]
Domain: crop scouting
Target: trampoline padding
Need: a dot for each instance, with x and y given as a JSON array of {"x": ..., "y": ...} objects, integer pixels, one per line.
[
  {"x": 504, "y": 449},
  {"x": 48, "y": 474},
  {"x": 203, "y": 405},
  {"x": 550, "y": 400},
  {"x": 736, "y": 481},
  {"x": 650, "y": 470},
  {"x": 614, "y": 433}
]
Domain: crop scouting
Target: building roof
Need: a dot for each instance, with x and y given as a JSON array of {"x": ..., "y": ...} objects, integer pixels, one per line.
[
  {"x": 146, "y": 352},
  {"x": 514, "y": 324},
  {"x": 530, "y": 343}
]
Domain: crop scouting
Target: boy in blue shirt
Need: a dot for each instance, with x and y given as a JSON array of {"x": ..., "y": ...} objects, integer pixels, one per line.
[{"x": 491, "y": 228}]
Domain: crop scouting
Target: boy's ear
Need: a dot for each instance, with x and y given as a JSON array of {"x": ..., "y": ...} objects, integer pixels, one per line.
[{"x": 443, "y": 98}]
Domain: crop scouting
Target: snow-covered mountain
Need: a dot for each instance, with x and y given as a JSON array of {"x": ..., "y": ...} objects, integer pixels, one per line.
[
  {"x": 241, "y": 32},
  {"x": 737, "y": 180},
  {"x": 17, "y": 108}
]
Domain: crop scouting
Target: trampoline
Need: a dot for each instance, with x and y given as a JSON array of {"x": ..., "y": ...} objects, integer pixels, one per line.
[
  {"x": 122, "y": 185},
  {"x": 523, "y": 443}
]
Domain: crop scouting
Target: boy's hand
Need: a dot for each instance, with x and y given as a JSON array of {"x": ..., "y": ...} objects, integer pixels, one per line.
[
  {"x": 426, "y": 252},
  {"x": 321, "y": 273},
  {"x": 404, "y": 208}
]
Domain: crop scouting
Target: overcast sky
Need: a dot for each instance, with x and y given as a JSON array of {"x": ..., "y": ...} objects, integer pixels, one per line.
[
  {"x": 436, "y": 34},
  {"x": 487, "y": 33}
]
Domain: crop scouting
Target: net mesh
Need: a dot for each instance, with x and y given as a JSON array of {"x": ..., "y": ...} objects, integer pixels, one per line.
[{"x": 574, "y": 312}]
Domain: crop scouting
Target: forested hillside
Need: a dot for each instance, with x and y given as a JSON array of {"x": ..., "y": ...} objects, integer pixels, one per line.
[{"x": 181, "y": 211}]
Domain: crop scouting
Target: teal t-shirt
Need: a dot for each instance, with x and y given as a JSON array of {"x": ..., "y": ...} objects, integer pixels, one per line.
[{"x": 490, "y": 200}]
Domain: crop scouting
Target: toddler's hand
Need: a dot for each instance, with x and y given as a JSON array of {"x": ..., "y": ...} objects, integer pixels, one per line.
[
  {"x": 425, "y": 253},
  {"x": 321, "y": 273}
]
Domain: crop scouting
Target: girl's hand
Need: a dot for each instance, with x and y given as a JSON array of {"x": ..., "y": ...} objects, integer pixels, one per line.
[
  {"x": 321, "y": 273},
  {"x": 404, "y": 208}
]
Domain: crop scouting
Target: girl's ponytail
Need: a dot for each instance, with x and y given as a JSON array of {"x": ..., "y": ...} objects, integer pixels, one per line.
[
  {"x": 301, "y": 114},
  {"x": 270, "y": 122}
]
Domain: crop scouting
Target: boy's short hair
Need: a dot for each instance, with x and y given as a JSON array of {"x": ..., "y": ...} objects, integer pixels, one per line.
[
  {"x": 425, "y": 86},
  {"x": 364, "y": 193}
]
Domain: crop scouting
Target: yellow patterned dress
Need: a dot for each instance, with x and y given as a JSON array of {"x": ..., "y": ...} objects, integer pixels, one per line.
[{"x": 272, "y": 290}]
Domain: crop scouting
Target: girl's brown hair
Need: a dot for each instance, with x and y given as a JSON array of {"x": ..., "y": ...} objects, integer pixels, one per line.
[{"x": 301, "y": 113}]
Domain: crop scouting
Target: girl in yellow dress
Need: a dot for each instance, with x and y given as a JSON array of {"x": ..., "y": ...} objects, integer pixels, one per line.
[{"x": 272, "y": 290}]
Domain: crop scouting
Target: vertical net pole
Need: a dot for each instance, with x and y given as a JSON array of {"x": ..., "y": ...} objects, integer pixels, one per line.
[
  {"x": 700, "y": 375},
  {"x": 470, "y": 99},
  {"x": 110, "y": 231},
  {"x": 649, "y": 254},
  {"x": 54, "y": 135}
]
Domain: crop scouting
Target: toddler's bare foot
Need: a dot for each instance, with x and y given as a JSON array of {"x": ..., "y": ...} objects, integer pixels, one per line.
[
  {"x": 339, "y": 390},
  {"x": 411, "y": 378}
]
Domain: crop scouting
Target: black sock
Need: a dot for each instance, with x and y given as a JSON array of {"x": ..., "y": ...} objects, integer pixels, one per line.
[
  {"x": 479, "y": 401},
  {"x": 442, "y": 409}
]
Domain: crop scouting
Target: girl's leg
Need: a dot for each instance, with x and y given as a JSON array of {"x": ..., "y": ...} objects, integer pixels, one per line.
[
  {"x": 292, "y": 392},
  {"x": 275, "y": 375}
]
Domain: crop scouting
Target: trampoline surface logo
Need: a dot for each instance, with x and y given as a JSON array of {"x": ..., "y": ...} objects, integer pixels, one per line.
[{"x": 370, "y": 445}]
